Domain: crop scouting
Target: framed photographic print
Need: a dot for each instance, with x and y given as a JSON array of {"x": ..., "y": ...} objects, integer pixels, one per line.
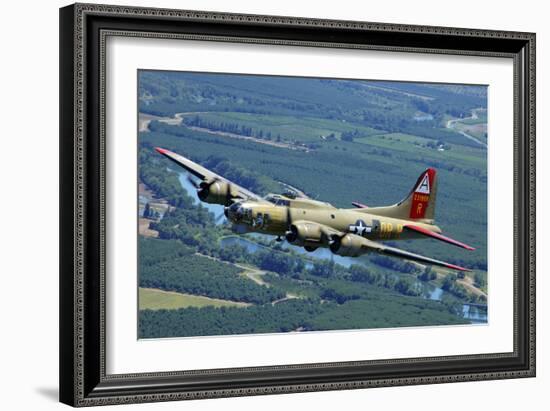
[{"x": 262, "y": 204}]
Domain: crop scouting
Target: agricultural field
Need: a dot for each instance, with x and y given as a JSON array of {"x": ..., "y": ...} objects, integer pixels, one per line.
[
  {"x": 338, "y": 141},
  {"x": 285, "y": 128},
  {"x": 155, "y": 299}
]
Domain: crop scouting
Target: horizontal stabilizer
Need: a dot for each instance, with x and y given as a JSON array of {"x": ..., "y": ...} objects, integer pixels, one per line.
[
  {"x": 428, "y": 233},
  {"x": 359, "y": 205}
]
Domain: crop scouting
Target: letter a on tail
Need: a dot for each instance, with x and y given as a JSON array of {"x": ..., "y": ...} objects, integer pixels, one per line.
[{"x": 421, "y": 195}]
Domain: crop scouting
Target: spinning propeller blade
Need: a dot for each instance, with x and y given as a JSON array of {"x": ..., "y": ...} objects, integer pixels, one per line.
[{"x": 193, "y": 182}]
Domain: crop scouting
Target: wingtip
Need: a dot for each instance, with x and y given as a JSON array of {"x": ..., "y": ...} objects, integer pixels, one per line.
[
  {"x": 161, "y": 150},
  {"x": 458, "y": 268}
]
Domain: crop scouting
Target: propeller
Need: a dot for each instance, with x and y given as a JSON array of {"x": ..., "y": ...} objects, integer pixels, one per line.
[
  {"x": 193, "y": 182},
  {"x": 203, "y": 187},
  {"x": 334, "y": 242},
  {"x": 292, "y": 234},
  {"x": 289, "y": 225}
]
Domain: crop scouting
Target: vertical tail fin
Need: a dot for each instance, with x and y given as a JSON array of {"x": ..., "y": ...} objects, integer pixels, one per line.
[
  {"x": 419, "y": 203},
  {"x": 422, "y": 196}
]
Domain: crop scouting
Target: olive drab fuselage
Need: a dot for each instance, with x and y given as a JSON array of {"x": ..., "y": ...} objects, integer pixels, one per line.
[{"x": 275, "y": 219}]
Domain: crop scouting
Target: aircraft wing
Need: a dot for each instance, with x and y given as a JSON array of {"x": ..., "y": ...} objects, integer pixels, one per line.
[
  {"x": 396, "y": 252},
  {"x": 204, "y": 174}
]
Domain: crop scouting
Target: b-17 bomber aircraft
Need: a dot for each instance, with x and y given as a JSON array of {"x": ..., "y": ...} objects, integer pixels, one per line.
[{"x": 311, "y": 224}]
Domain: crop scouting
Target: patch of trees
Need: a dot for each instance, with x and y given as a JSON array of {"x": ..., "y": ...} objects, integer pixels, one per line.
[
  {"x": 149, "y": 212},
  {"x": 407, "y": 286},
  {"x": 277, "y": 262},
  {"x": 165, "y": 184},
  {"x": 195, "y": 227},
  {"x": 401, "y": 284},
  {"x": 153, "y": 251},
  {"x": 438, "y": 144},
  {"x": 282, "y": 317},
  {"x": 351, "y": 135},
  {"x": 361, "y": 273},
  {"x": 340, "y": 292},
  {"x": 200, "y": 275},
  {"x": 480, "y": 280},
  {"x": 232, "y": 253},
  {"x": 428, "y": 274},
  {"x": 227, "y": 127},
  {"x": 380, "y": 310},
  {"x": 395, "y": 264},
  {"x": 450, "y": 285},
  {"x": 323, "y": 268}
]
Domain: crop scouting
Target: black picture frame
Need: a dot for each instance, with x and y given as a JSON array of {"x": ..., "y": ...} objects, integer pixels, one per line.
[{"x": 83, "y": 29}]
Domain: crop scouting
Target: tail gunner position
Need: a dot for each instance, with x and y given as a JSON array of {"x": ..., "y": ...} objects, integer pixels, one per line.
[{"x": 312, "y": 224}]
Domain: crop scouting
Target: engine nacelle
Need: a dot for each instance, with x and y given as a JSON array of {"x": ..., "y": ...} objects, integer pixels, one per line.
[
  {"x": 215, "y": 192},
  {"x": 305, "y": 234},
  {"x": 348, "y": 246}
]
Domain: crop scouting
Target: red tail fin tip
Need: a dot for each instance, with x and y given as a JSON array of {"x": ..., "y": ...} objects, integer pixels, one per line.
[{"x": 421, "y": 193}]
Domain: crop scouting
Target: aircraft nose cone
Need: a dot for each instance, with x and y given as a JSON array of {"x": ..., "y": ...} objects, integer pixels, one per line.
[{"x": 234, "y": 212}]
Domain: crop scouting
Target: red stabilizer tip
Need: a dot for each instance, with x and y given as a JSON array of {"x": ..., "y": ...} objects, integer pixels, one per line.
[
  {"x": 438, "y": 236},
  {"x": 457, "y": 267}
]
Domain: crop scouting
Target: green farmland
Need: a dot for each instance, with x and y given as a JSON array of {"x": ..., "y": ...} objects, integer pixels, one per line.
[{"x": 154, "y": 299}]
